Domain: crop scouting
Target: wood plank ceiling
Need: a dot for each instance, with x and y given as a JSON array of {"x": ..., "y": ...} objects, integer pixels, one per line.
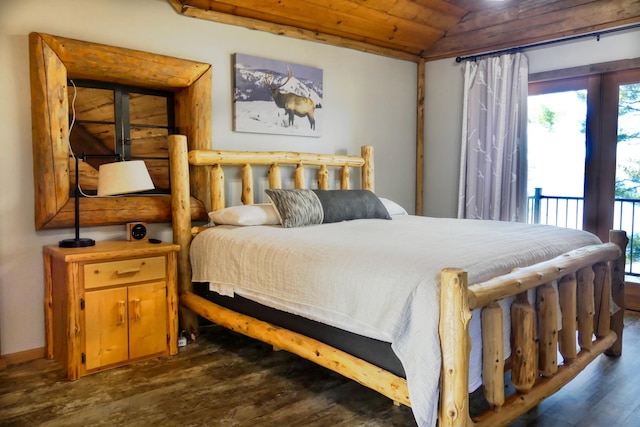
[{"x": 420, "y": 29}]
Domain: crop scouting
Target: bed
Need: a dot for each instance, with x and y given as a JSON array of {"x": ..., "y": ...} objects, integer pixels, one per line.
[{"x": 553, "y": 290}]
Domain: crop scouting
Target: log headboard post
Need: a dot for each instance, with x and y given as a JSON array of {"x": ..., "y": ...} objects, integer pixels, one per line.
[
  {"x": 367, "y": 170},
  {"x": 181, "y": 218}
]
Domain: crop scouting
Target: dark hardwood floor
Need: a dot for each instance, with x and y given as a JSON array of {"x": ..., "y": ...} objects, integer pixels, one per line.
[{"x": 225, "y": 379}]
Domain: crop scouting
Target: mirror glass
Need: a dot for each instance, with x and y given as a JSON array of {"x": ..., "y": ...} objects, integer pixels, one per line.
[{"x": 111, "y": 122}]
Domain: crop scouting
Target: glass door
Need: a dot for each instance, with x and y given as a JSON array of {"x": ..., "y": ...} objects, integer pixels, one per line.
[
  {"x": 584, "y": 155},
  {"x": 625, "y": 101},
  {"x": 556, "y": 155}
]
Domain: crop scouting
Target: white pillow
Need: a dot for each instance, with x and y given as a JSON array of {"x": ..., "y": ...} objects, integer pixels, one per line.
[
  {"x": 392, "y": 207},
  {"x": 260, "y": 214}
]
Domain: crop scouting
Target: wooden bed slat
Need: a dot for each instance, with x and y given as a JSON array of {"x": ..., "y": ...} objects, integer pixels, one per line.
[
  {"x": 344, "y": 177},
  {"x": 585, "y": 307},
  {"x": 275, "y": 177},
  {"x": 547, "y": 305},
  {"x": 523, "y": 350},
  {"x": 217, "y": 188},
  {"x": 323, "y": 178},
  {"x": 493, "y": 355},
  {"x": 247, "y": 185},
  {"x": 567, "y": 288},
  {"x": 601, "y": 294},
  {"x": 300, "y": 179}
]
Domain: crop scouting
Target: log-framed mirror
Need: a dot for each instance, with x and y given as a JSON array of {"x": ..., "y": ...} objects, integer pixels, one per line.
[{"x": 53, "y": 61}]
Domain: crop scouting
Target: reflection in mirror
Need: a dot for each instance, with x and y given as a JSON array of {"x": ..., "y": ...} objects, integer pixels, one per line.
[{"x": 112, "y": 119}]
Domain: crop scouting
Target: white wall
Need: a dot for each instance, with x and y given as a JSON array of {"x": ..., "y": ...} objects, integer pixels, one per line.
[
  {"x": 369, "y": 99},
  {"x": 443, "y": 111}
]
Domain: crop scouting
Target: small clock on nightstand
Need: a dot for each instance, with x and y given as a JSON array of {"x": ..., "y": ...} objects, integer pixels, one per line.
[{"x": 137, "y": 231}]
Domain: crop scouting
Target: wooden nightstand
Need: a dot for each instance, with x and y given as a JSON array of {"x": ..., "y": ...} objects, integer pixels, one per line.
[{"x": 110, "y": 304}]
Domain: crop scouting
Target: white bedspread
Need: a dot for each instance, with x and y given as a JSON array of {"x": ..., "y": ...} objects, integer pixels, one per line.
[{"x": 377, "y": 278}]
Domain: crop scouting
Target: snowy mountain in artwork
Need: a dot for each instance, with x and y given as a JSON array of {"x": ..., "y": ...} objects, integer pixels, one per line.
[{"x": 251, "y": 85}]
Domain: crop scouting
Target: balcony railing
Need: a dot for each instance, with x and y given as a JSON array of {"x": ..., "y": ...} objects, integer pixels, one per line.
[{"x": 568, "y": 212}]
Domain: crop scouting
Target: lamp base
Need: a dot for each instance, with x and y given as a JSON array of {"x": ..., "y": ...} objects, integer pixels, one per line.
[{"x": 76, "y": 243}]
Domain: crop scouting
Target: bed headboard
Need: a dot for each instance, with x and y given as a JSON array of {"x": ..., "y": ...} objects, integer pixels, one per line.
[{"x": 184, "y": 163}]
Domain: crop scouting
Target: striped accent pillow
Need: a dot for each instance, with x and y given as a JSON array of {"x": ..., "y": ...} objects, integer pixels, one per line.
[{"x": 296, "y": 208}]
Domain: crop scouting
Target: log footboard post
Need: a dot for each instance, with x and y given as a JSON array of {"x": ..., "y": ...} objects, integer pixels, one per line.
[
  {"x": 455, "y": 342},
  {"x": 617, "y": 290},
  {"x": 181, "y": 218}
]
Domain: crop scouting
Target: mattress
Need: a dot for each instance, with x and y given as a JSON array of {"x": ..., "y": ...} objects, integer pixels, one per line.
[
  {"x": 371, "y": 350},
  {"x": 376, "y": 278}
]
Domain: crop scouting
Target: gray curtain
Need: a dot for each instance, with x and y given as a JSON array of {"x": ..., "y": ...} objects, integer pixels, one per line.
[{"x": 493, "y": 158}]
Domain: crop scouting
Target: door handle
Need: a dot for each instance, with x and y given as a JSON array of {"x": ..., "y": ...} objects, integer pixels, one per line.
[
  {"x": 124, "y": 271},
  {"x": 137, "y": 310},
  {"x": 122, "y": 312}
]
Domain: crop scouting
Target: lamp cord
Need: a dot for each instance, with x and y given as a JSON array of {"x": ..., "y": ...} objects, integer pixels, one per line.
[{"x": 73, "y": 155}]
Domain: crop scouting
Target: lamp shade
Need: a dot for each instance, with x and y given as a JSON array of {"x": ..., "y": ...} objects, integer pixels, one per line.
[{"x": 123, "y": 177}]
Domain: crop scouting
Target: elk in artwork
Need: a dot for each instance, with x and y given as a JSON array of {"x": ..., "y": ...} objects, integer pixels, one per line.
[{"x": 292, "y": 103}]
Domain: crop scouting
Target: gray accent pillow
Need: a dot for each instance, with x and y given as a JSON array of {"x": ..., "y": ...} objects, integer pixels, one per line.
[
  {"x": 296, "y": 208},
  {"x": 345, "y": 205}
]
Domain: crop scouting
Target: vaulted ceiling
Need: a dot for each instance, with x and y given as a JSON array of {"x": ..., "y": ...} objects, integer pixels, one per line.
[{"x": 420, "y": 29}]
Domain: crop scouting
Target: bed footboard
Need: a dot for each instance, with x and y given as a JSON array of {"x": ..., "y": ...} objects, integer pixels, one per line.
[{"x": 585, "y": 278}]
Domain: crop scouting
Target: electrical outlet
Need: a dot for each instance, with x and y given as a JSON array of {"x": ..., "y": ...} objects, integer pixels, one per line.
[{"x": 182, "y": 341}]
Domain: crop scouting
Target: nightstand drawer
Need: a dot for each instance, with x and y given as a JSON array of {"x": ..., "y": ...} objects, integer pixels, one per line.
[{"x": 126, "y": 271}]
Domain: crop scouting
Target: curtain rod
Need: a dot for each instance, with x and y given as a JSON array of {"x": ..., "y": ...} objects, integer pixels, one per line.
[{"x": 596, "y": 34}]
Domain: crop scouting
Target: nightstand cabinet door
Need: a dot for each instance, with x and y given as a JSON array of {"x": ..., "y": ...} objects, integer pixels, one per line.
[
  {"x": 147, "y": 319},
  {"x": 106, "y": 327}
]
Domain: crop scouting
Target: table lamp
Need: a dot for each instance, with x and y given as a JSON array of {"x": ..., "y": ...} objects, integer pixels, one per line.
[{"x": 113, "y": 179}]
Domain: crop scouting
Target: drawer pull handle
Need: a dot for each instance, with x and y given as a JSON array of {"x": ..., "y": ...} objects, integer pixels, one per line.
[
  {"x": 137, "y": 312},
  {"x": 122, "y": 315},
  {"x": 125, "y": 271}
]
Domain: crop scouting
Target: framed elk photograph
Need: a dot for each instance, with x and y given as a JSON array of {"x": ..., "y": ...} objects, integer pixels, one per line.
[{"x": 276, "y": 97}]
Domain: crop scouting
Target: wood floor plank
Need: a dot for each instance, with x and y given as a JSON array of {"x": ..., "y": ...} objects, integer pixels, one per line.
[{"x": 225, "y": 379}]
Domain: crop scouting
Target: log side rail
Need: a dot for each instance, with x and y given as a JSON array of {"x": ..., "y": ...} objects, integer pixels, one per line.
[
  {"x": 585, "y": 278},
  {"x": 365, "y": 373}
]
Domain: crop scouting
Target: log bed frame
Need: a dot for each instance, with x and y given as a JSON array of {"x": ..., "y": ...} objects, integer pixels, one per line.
[{"x": 584, "y": 276}]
